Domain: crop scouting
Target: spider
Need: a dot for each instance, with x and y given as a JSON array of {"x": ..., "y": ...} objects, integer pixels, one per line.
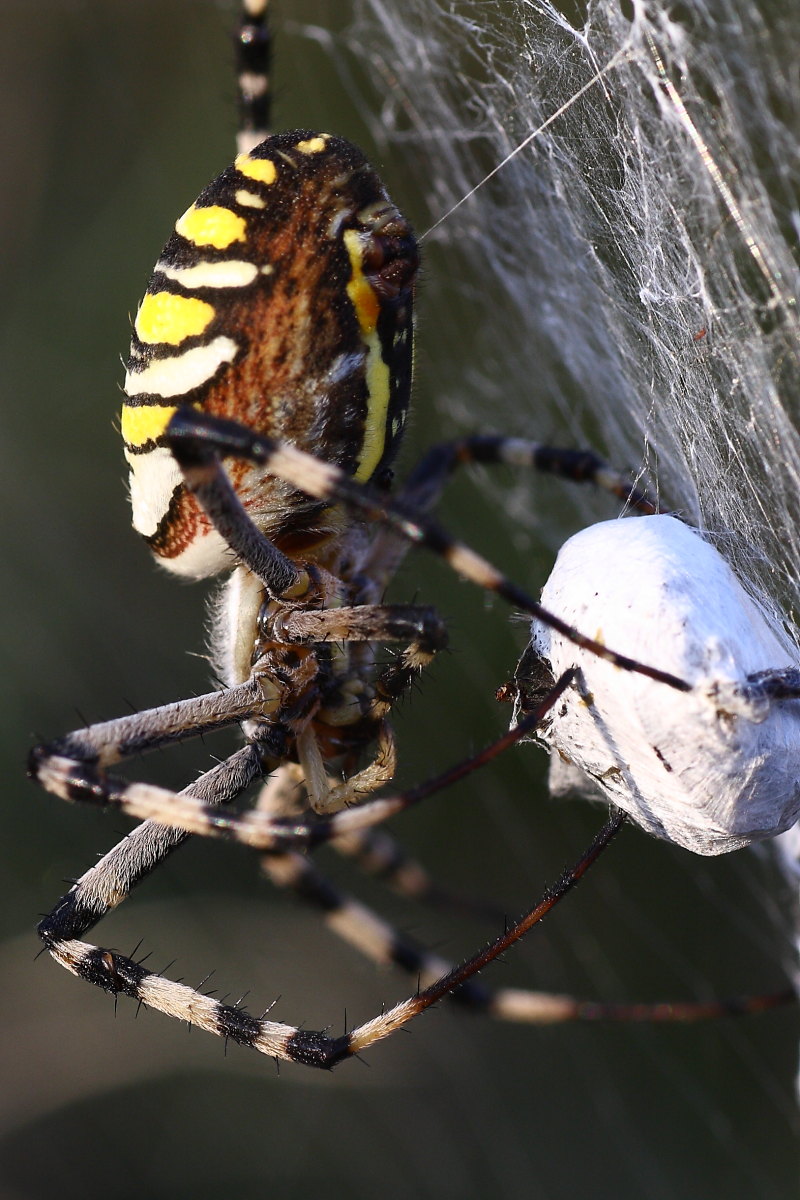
[{"x": 266, "y": 394}]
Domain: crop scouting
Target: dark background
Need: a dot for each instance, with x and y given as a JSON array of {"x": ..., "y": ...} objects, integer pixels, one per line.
[{"x": 114, "y": 116}]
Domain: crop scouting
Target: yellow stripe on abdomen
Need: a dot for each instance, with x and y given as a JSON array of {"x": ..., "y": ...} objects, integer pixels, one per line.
[
  {"x": 262, "y": 170},
  {"x": 367, "y": 308},
  {"x": 145, "y": 423},
  {"x": 211, "y": 226},
  {"x": 165, "y": 317}
]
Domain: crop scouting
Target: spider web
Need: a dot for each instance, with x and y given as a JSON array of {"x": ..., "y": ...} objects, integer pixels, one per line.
[
  {"x": 630, "y": 253},
  {"x": 645, "y": 237}
]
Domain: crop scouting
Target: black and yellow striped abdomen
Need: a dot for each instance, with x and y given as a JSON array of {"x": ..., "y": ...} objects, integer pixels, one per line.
[{"x": 282, "y": 300}]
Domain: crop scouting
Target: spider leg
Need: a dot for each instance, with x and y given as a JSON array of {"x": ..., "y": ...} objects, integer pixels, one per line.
[
  {"x": 196, "y": 439},
  {"x": 422, "y": 629},
  {"x": 374, "y": 851},
  {"x": 777, "y": 684},
  {"x": 119, "y": 974},
  {"x": 378, "y": 854},
  {"x": 87, "y": 753},
  {"x": 108, "y": 742},
  {"x": 281, "y": 577},
  {"x": 383, "y": 945},
  {"x": 324, "y": 795},
  {"x": 85, "y": 782},
  {"x": 108, "y": 882},
  {"x": 380, "y": 771},
  {"x": 253, "y": 60},
  {"x": 426, "y": 482},
  {"x": 424, "y": 486},
  {"x": 94, "y": 748}
]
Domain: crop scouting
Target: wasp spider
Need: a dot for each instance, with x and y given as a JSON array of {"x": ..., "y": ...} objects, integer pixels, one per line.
[{"x": 275, "y": 336}]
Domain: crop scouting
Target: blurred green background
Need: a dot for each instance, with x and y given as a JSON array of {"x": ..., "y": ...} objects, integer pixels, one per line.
[{"x": 114, "y": 116}]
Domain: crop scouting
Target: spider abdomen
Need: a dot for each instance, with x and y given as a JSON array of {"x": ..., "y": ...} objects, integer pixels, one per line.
[{"x": 282, "y": 300}]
